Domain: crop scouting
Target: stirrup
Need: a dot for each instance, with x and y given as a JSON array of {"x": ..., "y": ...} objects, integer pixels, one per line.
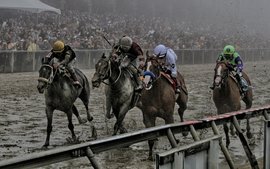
[
  {"x": 177, "y": 91},
  {"x": 138, "y": 88}
]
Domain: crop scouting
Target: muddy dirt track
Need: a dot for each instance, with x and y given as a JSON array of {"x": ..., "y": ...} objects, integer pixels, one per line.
[{"x": 23, "y": 120}]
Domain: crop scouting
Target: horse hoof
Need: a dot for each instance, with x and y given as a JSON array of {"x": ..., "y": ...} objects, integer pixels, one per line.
[
  {"x": 74, "y": 140},
  {"x": 94, "y": 133},
  {"x": 90, "y": 118},
  {"x": 82, "y": 121},
  {"x": 249, "y": 135},
  {"x": 185, "y": 134},
  {"x": 150, "y": 158},
  {"x": 44, "y": 147},
  {"x": 109, "y": 116}
]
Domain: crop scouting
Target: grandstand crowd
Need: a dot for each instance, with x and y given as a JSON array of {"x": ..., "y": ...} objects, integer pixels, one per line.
[{"x": 82, "y": 30}]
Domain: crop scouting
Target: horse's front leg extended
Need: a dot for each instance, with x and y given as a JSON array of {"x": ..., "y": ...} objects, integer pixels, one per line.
[
  {"x": 120, "y": 118},
  {"x": 226, "y": 130},
  {"x": 249, "y": 134},
  {"x": 70, "y": 124},
  {"x": 49, "y": 114}
]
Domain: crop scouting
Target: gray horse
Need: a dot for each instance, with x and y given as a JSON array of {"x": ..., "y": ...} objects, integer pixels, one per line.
[
  {"x": 121, "y": 88},
  {"x": 60, "y": 94}
]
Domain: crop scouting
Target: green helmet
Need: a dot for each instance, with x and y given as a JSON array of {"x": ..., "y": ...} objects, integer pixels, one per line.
[{"x": 228, "y": 50}]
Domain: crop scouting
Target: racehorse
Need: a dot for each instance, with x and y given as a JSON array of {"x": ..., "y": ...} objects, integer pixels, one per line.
[
  {"x": 60, "y": 94},
  {"x": 158, "y": 98},
  {"x": 226, "y": 94},
  {"x": 121, "y": 86}
]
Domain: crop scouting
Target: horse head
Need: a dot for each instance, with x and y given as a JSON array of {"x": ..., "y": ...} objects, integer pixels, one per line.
[
  {"x": 152, "y": 70},
  {"x": 44, "y": 74},
  {"x": 222, "y": 71},
  {"x": 103, "y": 71}
]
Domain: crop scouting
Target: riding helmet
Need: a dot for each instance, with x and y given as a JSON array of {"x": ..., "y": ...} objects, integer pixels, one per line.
[
  {"x": 228, "y": 50},
  {"x": 58, "y": 46},
  {"x": 160, "y": 51}
]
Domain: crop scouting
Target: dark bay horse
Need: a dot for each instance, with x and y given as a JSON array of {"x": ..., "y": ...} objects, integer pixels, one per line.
[
  {"x": 226, "y": 94},
  {"x": 158, "y": 99},
  {"x": 121, "y": 88},
  {"x": 60, "y": 94}
]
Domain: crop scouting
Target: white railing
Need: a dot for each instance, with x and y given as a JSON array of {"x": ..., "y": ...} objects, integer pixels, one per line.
[
  {"x": 89, "y": 149},
  {"x": 22, "y": 61}
]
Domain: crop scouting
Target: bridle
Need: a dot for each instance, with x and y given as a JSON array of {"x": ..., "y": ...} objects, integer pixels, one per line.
[
  {"x": 50, "y": 79},
  {"x": 108, "y": 73},
  {"x": 222, "y": 75}
]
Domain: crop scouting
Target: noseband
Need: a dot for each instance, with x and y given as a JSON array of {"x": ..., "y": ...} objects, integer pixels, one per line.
[
  {"x": 43, "y": 79},
  {"x": 109, "y": 74},
  {"x": 222, "y": 75}
]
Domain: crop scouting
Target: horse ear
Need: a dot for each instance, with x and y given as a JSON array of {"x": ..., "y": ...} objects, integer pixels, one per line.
[
  {"x": 147, "y": 53},
  {"x": 149, "y": 57},
  {"x": 103, "y": 56}
]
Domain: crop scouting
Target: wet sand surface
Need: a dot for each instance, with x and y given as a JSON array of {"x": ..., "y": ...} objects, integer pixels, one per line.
[{"x": 23, "y": 119}]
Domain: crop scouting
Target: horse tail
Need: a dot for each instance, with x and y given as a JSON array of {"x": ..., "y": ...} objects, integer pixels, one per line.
[
  {"x": 83, "y": 80},
  {"x": 182, "y": 82}
]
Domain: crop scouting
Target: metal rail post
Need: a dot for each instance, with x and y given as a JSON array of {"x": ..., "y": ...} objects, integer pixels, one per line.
[
  {"x": 265, "y": 114},
  {"x": 171, "y": 138},
  {"x": 90, "y": 155},
  {"x": 223, "y": 147},
  {"x": 266, "y": 162},
  {"x": 194, "y": 133},
  {"x": 252, "y": 159}
]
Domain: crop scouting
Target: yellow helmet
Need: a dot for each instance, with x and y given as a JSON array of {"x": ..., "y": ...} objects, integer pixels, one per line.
[{"x": 58, "y": 46}]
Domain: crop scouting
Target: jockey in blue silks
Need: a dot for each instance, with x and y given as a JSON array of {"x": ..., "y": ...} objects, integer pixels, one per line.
[{"x": 168, "y": 57}]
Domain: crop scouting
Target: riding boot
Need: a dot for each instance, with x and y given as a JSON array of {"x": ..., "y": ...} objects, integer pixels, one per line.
[
  {"x": 139, "y": 83},
  {"x": 178, "y": 86},
  {"x": 74, "y": 78},
  {"x": 242, "y": 82},
  {"x": 137, "y": 79}
]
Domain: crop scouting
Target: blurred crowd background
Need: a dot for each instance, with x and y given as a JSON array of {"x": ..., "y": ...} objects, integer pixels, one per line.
[{"x": 21, "y": 30}]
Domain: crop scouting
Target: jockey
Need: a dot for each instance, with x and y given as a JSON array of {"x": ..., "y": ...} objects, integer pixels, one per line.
[
  {"x": 229, "y": 54},
  {"x": 129, "y": 51},
  {"x": 168, "y": 57},
  {"x": 62, "y": 55}
]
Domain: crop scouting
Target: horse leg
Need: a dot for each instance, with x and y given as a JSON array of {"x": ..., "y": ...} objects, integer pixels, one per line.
[
  {"x": 248, "y": 101},
  {"x": 226, "y": 130},
  {"x": 70, "y": 124},
  {"x": 85, "y": 99},
  {"x": 118, "y": 125},
  {"x": 232, "y": 129},
  {"x": 49, "y": 114},
  {"x": 149, "y": 122},
  {"x": 249, "y": 134},
  {"x": 182, "y": 103},
  {"x": 76, "y": 113}
]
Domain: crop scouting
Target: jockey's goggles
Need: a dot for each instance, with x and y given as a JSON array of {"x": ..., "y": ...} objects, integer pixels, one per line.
[
  {"x": 228, "y": 56},
  {"x": 159, "y": 55}
]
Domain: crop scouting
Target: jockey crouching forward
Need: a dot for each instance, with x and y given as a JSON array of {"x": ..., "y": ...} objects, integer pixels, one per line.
[
  {"x": 229, "y": 54},
  {"x": 62, "y": 55},
  {"x": 130, "y": 51},
  {"x": 168, "y": 58}
]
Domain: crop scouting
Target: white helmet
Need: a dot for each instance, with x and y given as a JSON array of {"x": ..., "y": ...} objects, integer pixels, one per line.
[
  {"x": 160, "y": 51},
  {"x": 125, "y": 43}
]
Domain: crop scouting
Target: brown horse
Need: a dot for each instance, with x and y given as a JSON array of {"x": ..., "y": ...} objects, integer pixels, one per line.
[
  {"x": 226, "y": 94},
  {"x": 158, "y": 99}
]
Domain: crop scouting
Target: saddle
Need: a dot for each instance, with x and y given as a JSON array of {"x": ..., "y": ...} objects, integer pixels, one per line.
[
  {"x": 63, "y": 72},
  {"x": 169, "y": 79}
]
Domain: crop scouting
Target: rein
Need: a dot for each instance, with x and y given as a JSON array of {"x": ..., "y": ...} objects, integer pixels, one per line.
[
  {"x": 110, "y": 74},
  {"x": 50, "y": 79}
]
